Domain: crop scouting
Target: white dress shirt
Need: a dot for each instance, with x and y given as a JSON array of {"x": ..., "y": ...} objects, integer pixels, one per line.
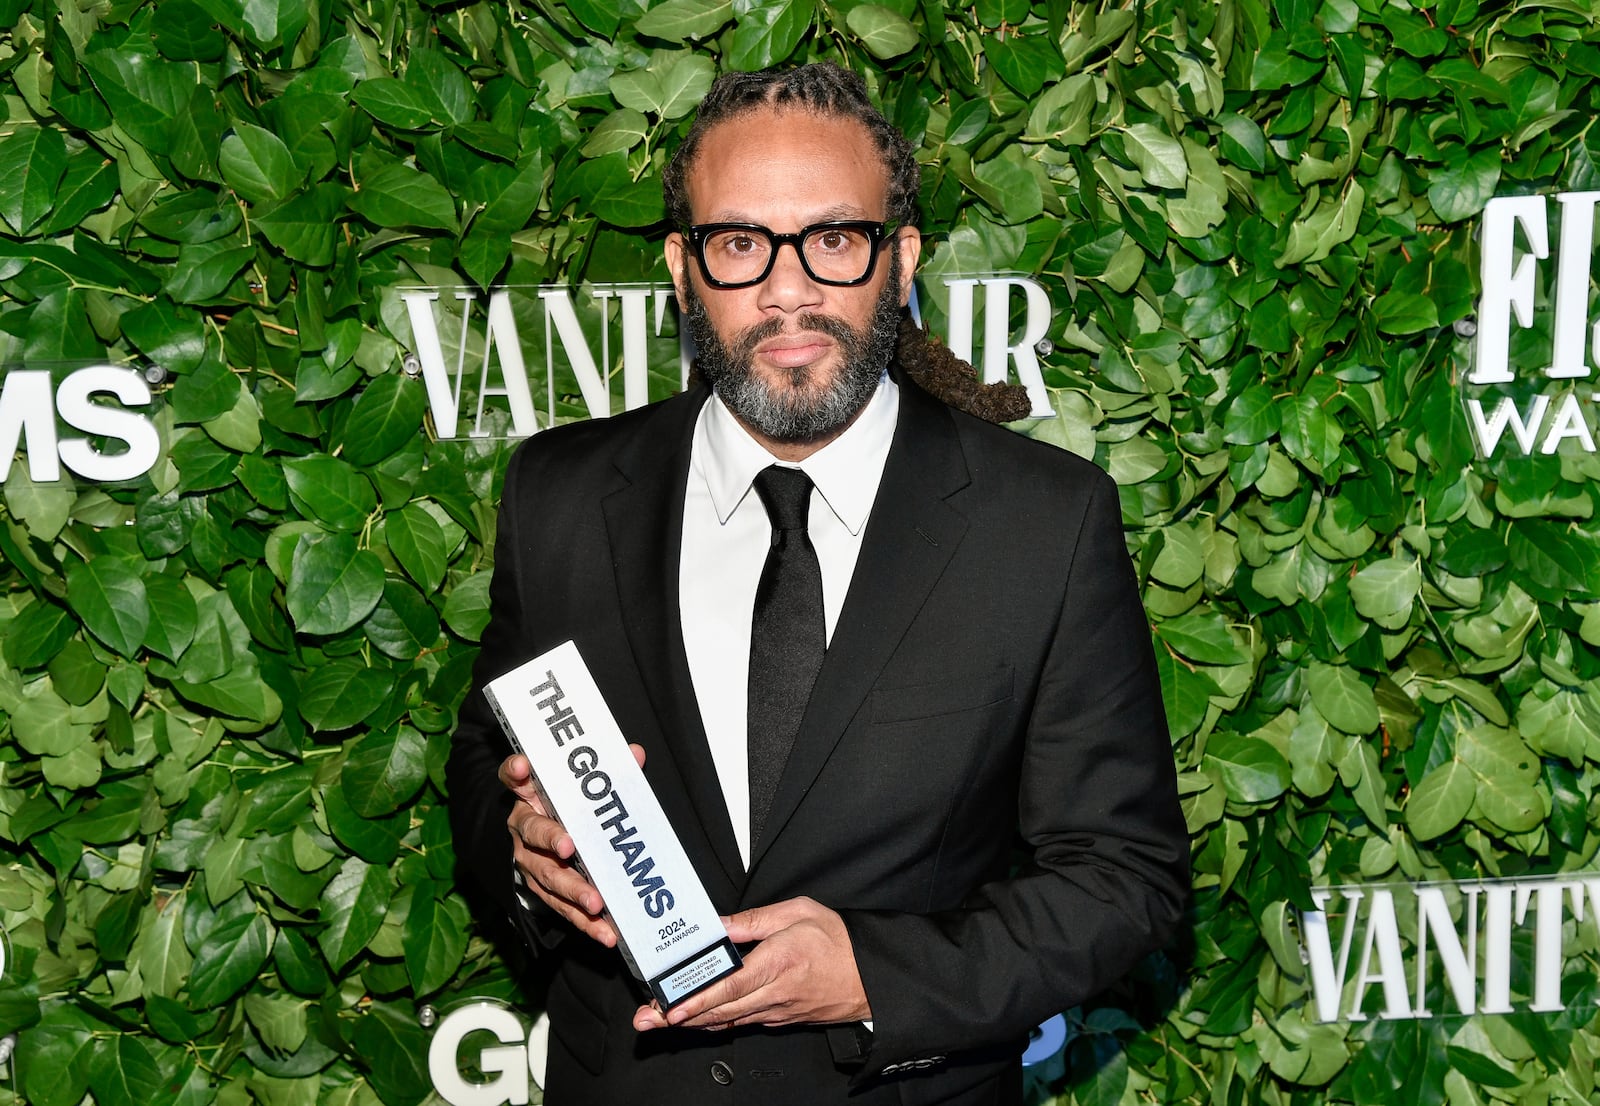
[{"x": 726, "y": 535}]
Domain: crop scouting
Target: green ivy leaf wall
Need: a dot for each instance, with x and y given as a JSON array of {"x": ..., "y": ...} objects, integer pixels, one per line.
[{"x": 225, "y": 693}]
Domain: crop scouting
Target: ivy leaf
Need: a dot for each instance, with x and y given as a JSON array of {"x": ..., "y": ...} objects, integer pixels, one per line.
[
  {"x": 768, "y": 34},
  {"x": 466, "y": 608},
  {"x": 53, "y": 1062},
  {"x": 330, "y": 490},
  {"x": 1404, "y": 313},
  {"x": 1386, "y": 589},
  {"x": 32, "y": 162},
  {"x": 256, "y": 164},
  {"x": 109, "y": 595},
  {"x": 353, "y": 906},
  {"x": 1158, "y": 155},
  {"x": 684, "y": 84},
  {"x": 1441, "y": 801},
  {"x": 400, "y": 196},
  {"x": 383, "y": 770},
  {"x": 393, "y": 102},
  {"x": 37, "y": 634},
  {"x": 1506, "y": 770},
  {"x": 332, "y": 584},
  {"x": 396, "y": 1047},
  {"x": 1202, "y": 636},
  {"x": 305, "y": 226},
  {"x": 280, "y": 1023},
  {"x": 682, "y": 20},
  {"x": 341, "y": 693},
  {"x": 230, "y": 957},
  {"x": 1254, "y": 416},
  {"x": 1008, "y": 184},
  {"x": 159, "y": 952},
  {"x": 1466, "y": 182},
  {"x": 1343, "y": 698},
  {"x": 182, "y": 31},
  {"x": 418, "y": 542},
  {"x": 884, "y": 32},
  {"x": 205, "y": 270},
  {"x": 387, "y": 414},
  {"x": 1252, "y": 770}
]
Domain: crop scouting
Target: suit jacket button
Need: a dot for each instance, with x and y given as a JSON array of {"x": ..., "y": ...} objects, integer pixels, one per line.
[{"x": 721, "y": 1072}]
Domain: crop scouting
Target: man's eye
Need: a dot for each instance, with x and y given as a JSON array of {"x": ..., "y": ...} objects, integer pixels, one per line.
[
  {"x": 739, "y": 243},
  {"x": 832, "y": 240}
]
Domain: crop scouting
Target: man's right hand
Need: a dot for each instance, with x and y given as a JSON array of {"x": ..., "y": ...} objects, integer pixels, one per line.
[{"x": 544, "y": 851}]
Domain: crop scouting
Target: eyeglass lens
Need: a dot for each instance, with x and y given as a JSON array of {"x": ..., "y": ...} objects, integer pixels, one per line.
[{"x": 830, "y": 253}]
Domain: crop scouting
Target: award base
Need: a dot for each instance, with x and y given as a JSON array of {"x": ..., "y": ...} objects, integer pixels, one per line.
[{"x": 695, "y": 974}]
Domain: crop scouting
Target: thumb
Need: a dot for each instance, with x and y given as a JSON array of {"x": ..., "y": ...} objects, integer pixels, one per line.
[{"x": 756, "y": 924}]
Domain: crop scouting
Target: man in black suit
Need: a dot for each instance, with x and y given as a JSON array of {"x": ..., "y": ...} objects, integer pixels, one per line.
[{"x": 956, "y": 820}]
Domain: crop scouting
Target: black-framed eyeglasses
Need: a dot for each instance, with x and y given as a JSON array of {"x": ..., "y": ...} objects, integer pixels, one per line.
[{"x": 737, "y": 255}]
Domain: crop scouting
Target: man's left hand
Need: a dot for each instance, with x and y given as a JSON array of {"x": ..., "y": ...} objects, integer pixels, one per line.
[{"x": 802, "y": 970}]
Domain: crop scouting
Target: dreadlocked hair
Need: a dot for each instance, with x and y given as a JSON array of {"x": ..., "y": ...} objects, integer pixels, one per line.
[
  {"x": 942, "y": 374},
  {"x": 822, "y": 88}
]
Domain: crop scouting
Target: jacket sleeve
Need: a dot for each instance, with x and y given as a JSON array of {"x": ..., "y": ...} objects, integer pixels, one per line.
[
  {"x": 479, "y": 804},
  {"x": 1106, "y": 876}
]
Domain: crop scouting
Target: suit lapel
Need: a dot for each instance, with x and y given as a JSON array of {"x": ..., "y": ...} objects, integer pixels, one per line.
[
  {"x": 910, "y": 538},
  {"x": 644, "y": 521}
]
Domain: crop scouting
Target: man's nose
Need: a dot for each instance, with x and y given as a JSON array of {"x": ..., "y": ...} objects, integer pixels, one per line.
[{"x": 788, "y": 286}]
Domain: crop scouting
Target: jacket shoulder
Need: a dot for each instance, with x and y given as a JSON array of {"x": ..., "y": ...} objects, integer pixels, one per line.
[{"x": 596, "y": 446}]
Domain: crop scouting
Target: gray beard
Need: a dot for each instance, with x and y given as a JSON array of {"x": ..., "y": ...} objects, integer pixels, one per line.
[{"x": 797, "y": 415}]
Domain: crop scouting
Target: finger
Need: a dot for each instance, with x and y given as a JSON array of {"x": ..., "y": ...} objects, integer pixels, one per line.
[
  {"x": 760, "y": 922},
  {"x": 569, "y": 895},
  {"x": 591, "y": 926},
  {"x": 540, "y": 833},
  {"x": 638, "y": 752},
  {"x": 548, "y": 869},
  {"x": 515, "y": 771},
  {"x": 647, "y": 1018},
  {"x": 517, "y": 777},
  {"x": 762, "y": 1006},
  {"x": 710, "y": 1006}
]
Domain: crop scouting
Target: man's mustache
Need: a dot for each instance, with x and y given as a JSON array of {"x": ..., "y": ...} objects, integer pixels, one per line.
[{"x": 751, "y": 337}]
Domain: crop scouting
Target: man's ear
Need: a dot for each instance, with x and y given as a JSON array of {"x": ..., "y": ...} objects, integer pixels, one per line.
[
  {"x": 908, "y": 240},
  {"x": 675, "y": 250}
]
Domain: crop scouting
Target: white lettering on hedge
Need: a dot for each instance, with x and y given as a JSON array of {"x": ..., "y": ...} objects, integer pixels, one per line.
[
  {"x": 1472, "y": 943},
  {"x": 563, "y": 332},
  {"x": 999, "y": 352},
  {"x": 1515, "y": 239},
  {"x": 508, "y": 1064},
  {"x": 29, "y": 407},
  {"x": 1533, "y": 425},
  {"x": 489, "y": 360}
]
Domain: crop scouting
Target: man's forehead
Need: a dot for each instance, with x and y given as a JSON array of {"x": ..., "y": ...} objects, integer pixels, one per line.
[{"x": 811, "y": 151}]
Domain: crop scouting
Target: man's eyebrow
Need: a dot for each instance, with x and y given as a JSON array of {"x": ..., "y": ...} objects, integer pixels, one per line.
[{"x": 831, "y": 214}]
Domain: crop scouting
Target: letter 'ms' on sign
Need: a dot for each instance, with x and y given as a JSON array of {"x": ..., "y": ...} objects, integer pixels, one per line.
[
  {"x": 510, "y": 362},
  {"x": 92, "y": 419},
  {"x": 1535, "y": 325},
  {"x": 1447, "y": 949}
]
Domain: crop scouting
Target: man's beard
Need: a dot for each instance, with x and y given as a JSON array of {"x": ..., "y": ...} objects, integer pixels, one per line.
[{"x": 805, "y": 410}]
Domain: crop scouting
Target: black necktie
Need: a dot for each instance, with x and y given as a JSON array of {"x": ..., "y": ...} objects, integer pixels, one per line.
[{"x": 787, "y": 636}]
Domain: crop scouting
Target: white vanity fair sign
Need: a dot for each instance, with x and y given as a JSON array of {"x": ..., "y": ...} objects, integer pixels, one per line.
[
  {"x": 668, "y": 930},
  {"x": 474, "y": 350},
  {"x": 1478, "y": 935},
  {"x": 1519, "y": 283},
  {"x": 98, "y": 405}
]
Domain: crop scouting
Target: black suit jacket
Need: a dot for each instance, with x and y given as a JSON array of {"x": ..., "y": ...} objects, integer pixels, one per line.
[{"x": 990, "y": 683}]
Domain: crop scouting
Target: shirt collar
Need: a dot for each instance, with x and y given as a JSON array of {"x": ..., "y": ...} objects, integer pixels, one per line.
[{"x": 732, "y": 458}]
